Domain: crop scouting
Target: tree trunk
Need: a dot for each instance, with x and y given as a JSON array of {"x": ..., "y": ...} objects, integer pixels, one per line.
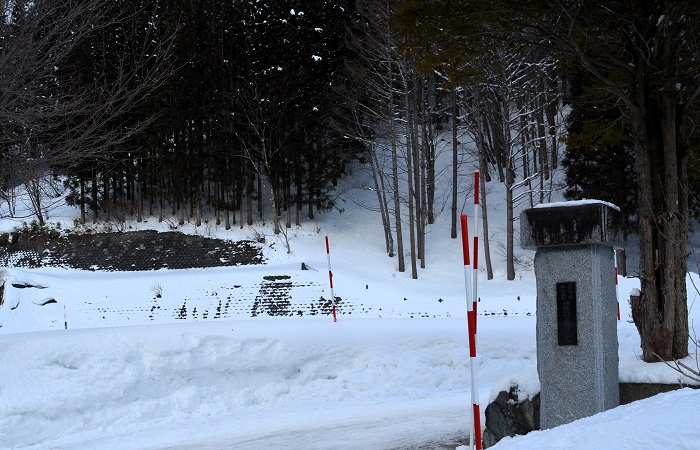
[
  {"x": 288, "y": 203},
  {"x": 95, "y": 203},
  {"x": 198, "y": 206},
  {"x": 540, "y": 113},
  {"x": 510, "y": 259},
  {"x": 139, "y": 204},
  {"x": 311, "y": 183},
  {"x": 395, "y": 175},
  {"x": 381, "y": 198},
  {"x": 249, "y": 198},
  {"x": 510, "y": 181},
  {"x": 415, "y": 150},
  {"x": 662, "y": 313},
  {"x": 421, "y": 190},
  {"x": 227, "y": 206},
  {"x": 621, "y": 262},
  {"x": 409, "y": 170},
  {"x": 106, "y": 200},
  {"x": 299, "y": 200},
  {"x": 260, "y": 197},
  {"x": 484, "y": 218},
  {"x": 275, "y": 212},
  {"x": 551, "y": 112},
  {"x": 455, "y": 122},
  {"x": 34, "y": 191},
  {"x": 82, "y": 199},
  {"x": 160, "y": 200},
  {"x": 484, "y": 177},
  {"x": 151, "y": 200},
  {"x": 429, "y": 158},
  {"x": 218, "y": 200}
]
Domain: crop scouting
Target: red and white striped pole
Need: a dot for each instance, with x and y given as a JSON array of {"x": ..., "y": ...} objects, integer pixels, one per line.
[
  {"x": 475, "y": 298},
  {"x": 475, "y": 432},
  {"x": 330, "y": 278}
]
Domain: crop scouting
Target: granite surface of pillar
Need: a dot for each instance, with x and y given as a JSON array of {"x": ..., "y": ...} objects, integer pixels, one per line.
[{"x": 577, "y": 347}]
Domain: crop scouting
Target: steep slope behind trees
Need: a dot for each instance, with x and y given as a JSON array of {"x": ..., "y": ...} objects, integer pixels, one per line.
[{"x": 512, "y": 98}]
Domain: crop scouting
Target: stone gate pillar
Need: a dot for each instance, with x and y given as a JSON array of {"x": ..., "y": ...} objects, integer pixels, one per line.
[{"x": 577, "y": 344}]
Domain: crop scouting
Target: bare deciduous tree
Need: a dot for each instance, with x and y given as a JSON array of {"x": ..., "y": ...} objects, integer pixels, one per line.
[{"x": 51, "y": 118}]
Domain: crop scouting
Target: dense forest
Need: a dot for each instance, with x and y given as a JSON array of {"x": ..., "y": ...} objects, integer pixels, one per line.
[
  {"x": 233, "y": 110},
  {"x": 171, "y": 108},
  {"x": 188, "y": 110}
]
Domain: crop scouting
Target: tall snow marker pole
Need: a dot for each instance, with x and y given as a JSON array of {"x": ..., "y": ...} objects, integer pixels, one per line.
[
  {"x": 475, "y": 431},
  {"x": 476, "y": 246},
  {"x": 330, "y": 278},
  {"x": 475, "y": 298}
]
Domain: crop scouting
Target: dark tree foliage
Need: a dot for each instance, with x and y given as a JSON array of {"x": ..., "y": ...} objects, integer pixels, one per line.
[
  {"x": 73, "y": 81},
  {"x": 599, "y": 158},
  {"x": 240, "y": 120}
]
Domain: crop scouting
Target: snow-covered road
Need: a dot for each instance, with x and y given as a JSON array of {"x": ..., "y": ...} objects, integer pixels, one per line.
[
  {"x": 275, "y": 383},
  {"x": 419, "y": 423}
]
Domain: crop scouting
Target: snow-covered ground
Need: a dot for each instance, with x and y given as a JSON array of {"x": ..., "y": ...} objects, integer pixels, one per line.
[{"x": 393, "y": 374}]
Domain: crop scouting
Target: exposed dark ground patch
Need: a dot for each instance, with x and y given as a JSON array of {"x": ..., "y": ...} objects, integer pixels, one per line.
[{"x": 131, "y": 251}]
